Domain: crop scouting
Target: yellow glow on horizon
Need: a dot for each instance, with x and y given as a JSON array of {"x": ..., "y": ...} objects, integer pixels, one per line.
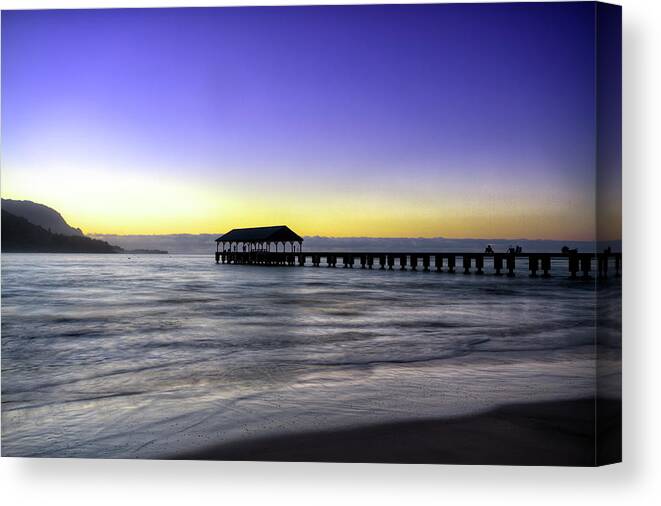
[{"x": 111, "y": 202}]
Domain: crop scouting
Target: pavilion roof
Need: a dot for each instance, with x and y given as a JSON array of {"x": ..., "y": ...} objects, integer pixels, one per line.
[{"x": 280, "y": 233}]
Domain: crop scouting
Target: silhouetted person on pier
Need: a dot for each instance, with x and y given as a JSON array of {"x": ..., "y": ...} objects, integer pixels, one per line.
[
  {"x": 488, "y": 249},
  {"x": 518, "y": 250},
  {"x": 607, "y": 251}
]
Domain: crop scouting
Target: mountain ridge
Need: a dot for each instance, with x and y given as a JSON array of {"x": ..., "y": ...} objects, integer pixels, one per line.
[
  {"x": 41, "y": 215},
  {"x": 37, "y": 228},
  {"x": 21, "y": 236}
]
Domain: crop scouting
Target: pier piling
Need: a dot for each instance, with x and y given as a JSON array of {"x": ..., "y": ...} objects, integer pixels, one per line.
[
  {"x": 479, "y": 264},
  {"x": 602, "y": 265},
  {"x": 586, "y": 265},
  {"x": 573, "y": 265},
  {"x": 511, "y": 264},
  {"x": 498, "y": 264},
  {"x": 536, "y": 261},
  {"x": 467, "y": 264},
  {"x": 533, "y": 265},
  {"x": 546, "y": 266}
]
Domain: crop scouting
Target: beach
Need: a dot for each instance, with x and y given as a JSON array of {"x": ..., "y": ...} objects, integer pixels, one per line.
[{"x": 560, "y": 433}]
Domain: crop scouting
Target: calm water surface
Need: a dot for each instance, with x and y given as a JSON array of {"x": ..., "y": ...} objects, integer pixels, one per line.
[{"x": 148, "y": 356}]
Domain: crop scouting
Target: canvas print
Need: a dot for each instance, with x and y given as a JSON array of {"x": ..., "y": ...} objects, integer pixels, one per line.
[{"x": 381, "y": 233}]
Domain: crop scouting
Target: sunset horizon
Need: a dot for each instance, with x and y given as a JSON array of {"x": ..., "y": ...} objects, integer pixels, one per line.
[{"x": 238, "y": 223}]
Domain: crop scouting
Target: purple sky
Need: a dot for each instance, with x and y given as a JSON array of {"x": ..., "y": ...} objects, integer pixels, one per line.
[{"x": 454, "y": 120}]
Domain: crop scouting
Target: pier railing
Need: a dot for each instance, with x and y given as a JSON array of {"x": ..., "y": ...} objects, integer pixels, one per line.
[{"x": 539, "y": 264}]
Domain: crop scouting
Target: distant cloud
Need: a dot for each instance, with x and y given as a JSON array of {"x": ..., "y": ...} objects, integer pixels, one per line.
[{"x": 204, "y": 243}]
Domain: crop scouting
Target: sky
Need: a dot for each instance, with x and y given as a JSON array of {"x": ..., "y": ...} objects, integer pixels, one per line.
[{"x": 374, "y": 121}]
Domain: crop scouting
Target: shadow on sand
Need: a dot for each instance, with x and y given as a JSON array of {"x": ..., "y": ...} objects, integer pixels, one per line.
[{"x": 559, "y": 433}]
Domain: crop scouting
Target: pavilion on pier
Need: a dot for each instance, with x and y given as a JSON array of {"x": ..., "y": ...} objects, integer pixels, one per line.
[{"x": 260, "y": 239}]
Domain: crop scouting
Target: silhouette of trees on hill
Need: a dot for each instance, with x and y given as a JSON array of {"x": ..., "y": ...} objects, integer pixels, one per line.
[{"x": 21, "y": 236}]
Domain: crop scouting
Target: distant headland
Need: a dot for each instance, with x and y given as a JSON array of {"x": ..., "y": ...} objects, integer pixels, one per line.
[{"x": 29, "y": 227}]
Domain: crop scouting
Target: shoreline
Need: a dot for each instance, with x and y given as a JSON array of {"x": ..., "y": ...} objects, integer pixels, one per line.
[{"x": 554, "y": 433}]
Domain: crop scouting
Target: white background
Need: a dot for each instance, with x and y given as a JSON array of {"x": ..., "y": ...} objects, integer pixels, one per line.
[{"x": 636, "y": 481}]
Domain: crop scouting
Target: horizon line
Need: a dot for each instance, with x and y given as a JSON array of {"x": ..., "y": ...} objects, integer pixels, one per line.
[{"x": 366, "y": 237}]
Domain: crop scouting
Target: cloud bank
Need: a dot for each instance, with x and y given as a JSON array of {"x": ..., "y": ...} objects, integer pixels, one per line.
[{"x": 193, "y": 244}]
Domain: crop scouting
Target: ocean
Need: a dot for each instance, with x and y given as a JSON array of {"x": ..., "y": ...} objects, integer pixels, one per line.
[{"x": 129, "y": 356}]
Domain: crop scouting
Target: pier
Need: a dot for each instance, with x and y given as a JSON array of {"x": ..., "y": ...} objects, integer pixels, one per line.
[
  {"x": 280, "y": 246},
  {"x": 579, "y": 265}
]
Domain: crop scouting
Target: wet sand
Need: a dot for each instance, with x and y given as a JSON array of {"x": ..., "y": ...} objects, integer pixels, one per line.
[{"x": 559, "y": 433}]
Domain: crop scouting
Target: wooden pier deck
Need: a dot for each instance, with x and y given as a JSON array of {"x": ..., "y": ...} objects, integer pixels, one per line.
[{"x": 579, "y": 265}]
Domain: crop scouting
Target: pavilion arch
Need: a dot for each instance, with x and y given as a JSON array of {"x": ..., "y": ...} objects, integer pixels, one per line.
[{"x": 259, "y": 239}]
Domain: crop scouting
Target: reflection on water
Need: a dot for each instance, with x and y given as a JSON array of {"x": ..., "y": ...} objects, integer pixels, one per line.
[{"x": 111, "y": 356}]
